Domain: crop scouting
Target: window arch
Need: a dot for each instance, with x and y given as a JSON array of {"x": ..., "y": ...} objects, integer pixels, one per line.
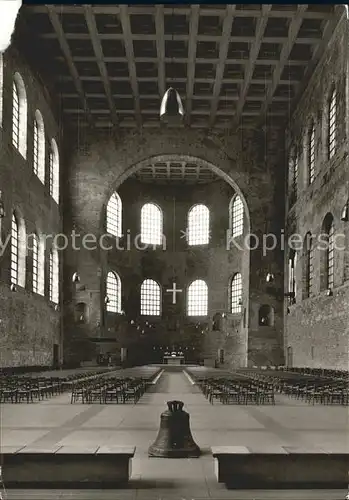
[
  {"x": 39, "y": 146},
  {"x": 19, "y": 115},
  {"x": 327, "y": 254},
  {"x": 113, "y": 292},
  {"x": 236, "y": 294},
  {"x": 151, "y": 224},
  {"x": 309, "y": 265},
  {"x": 18, "y": 251},
  {"x": 150, "y": 298},
  {"x": 197, "y": 303},
  {"x": 332, "y": 124},
  {"x": 54, "y": 171},
  {"x": 54, "y": 276},
  {"x": 198, "y": 225},
  {"x": 114, "y": 215},
  {"x": 311, "y": 153},
  {"x": 236, "y": 216}
]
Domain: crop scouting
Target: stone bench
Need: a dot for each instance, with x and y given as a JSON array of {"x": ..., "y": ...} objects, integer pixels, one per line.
[
  {"x": 66, "y": 466},
  {"x": 280, "y": 467}
]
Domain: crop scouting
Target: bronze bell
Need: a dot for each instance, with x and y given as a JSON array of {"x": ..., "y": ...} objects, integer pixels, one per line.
[{"x": 174, "y": 439}]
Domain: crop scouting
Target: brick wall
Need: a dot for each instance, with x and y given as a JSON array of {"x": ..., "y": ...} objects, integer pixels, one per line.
[
  {"x": 316, "y": 328},
  {"x": 29, "y": 325}
]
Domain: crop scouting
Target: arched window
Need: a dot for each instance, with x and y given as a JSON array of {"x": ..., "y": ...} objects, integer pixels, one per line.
[
  {"x": 54, "y": 171},
  {"x": 311, "y": 153},
  {"x": 292, "y": 263},
  {"x": 151, "y": 224},
  {"x": 236, "y": 294},
  {"x": 18, "y": 251},
  {"x": 114, "y": 215},
  {"x": 309, "y": 265},
  {"x": 19, "y": 115},
  {"x": 39, "y": 146},
  {"x": 327, "y": 254},
  {"x": 332, "y": 124},
  {"x": 150, "y": 298},
  {"x": 38, "y": 270},
  {"x": 197, "y": 303},
  {"x": 198, "y": 225},
  {"x": 236, "y": 216},
  {"x": 14, "y": 251},
  {"x": 54, "y": 276},
  {"x": 35, "y": 263},
  {"x": 113, "y": 292},
  {"x": 293, "y": 177}
]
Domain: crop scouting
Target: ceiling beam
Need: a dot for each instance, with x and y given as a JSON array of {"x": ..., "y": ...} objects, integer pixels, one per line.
[
  {"x": 293, "y": 30},
  {"x": 193, "y": 33},
  {"x": 223, "y": 52},
  {"x": 147, "y": 9},
  {"x": 127, "y": 36},
  {"x": 249, "y": 69},
  {"x": 160, "y": 48},
  {"x": 199, "y": 60},
  {"x": 97, "y": 47},
  {"x": 57, "y": 26}
]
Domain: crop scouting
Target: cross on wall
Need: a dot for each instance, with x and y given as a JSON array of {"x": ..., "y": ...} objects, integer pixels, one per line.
[{"x": 174, "y": 290}]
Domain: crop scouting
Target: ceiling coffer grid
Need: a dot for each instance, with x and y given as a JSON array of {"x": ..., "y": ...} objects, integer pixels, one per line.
[{"x": 230, "y": 64}]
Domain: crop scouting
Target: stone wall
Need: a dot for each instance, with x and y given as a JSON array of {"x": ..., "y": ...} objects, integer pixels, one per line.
[
  {"x": 29, "y": 324},
  {"x": 316, "y": 328}
]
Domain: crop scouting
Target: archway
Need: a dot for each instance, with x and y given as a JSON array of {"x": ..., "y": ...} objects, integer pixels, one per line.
[{"x": 235, "y": 340}]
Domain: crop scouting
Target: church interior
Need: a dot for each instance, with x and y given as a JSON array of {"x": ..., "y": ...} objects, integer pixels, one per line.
[{"x": 174, "y": 223}]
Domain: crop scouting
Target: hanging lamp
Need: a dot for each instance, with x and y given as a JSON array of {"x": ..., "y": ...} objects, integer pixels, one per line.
[{"x": 171, "y": 108}]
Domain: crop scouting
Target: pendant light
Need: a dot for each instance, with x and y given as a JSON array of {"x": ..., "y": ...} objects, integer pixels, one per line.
[{"x": 171, "y": 108}]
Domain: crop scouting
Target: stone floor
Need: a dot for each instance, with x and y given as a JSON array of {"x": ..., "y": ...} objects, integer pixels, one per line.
[{"x": 288, "y": 423}]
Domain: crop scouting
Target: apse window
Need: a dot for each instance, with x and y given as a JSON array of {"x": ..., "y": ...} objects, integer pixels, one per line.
[
  {"x": 114, "y": 215},
  {"x": 197, "y": 303},
  {"x": 150, "y": 298},
  {"x": 332, "y": 124},
  {"x": 236, "y": 216},
  {"x": 198, "y": 225},
  {"x": 236, "y": 294},
  {"x": 113, "y": 293},
  {"x": 151, "y": 224}
]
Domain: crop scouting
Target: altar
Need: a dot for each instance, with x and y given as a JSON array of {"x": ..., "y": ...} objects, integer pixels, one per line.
[{"x": 174, "y": 359}]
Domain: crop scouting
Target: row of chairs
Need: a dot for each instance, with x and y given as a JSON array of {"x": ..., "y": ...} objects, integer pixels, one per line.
[
  {"x": 109, "y": 390},
  {"x": 231, "y": 390},
  {"x": 309, "y": 388},
  {"x": 29, "y": 389}
]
